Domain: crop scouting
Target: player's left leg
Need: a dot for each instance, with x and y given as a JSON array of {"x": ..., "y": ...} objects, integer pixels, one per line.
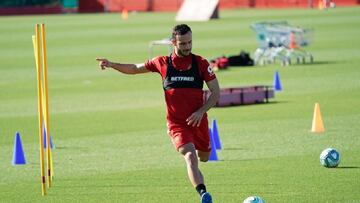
[{"x": 203, "y": 156}]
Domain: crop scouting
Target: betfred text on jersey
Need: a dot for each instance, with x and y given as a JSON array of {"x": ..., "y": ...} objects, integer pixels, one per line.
[{"x": 175, "y": 79}]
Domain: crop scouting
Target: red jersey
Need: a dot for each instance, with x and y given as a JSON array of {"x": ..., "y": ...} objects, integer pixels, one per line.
[{"x": 183, "y": 86}]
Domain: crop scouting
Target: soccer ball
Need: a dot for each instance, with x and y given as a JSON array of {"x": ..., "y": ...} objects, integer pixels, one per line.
[
  {"x": 253, "y": 199},
  {"x": 330, "y": 158}
]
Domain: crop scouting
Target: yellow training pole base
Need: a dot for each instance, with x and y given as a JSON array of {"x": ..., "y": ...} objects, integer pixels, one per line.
[{"x": 43, "y": 186}]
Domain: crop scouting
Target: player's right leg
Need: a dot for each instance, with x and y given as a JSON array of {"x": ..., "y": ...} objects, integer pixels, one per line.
[
  {"x": 194, "y": 173},
  {"x": 189, "y": 153}
]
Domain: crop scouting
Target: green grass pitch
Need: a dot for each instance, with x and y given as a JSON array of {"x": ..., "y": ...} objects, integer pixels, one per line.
[{"x": 109, "y": 129}]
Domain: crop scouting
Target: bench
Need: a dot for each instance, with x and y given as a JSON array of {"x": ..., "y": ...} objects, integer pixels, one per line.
[{"x": 243, "y": 95}]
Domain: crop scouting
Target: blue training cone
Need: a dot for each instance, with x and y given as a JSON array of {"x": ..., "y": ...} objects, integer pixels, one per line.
[
  {"x": 45, "y": 141},
  {"x": 18, "y": 155},
  {"x": 215, "y": 134},
  {"x": 277, "y": 83},
  {"x": 213, "y": 154}
]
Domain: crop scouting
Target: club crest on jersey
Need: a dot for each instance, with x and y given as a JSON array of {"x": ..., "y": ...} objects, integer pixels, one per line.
[
  {"x": 210, "y": 71},
  {"x": 181, "y": 78}
]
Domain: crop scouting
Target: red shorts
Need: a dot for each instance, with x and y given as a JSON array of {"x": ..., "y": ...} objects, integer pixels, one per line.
[{"x": 182, "y": 134}]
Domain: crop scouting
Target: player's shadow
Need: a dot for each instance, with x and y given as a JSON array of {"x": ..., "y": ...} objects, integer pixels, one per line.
[{"x": 348, "y": 167}]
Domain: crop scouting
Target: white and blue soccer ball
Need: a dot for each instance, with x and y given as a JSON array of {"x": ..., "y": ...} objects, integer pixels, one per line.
[
  {"x": 253, "y": 199},
  {"x": 330, "y": 158}
]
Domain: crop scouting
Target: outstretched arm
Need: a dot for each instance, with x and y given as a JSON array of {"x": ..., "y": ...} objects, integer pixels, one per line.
[
  {"x": 195, "y": 118},
  {"x": 123, "y": 68}
]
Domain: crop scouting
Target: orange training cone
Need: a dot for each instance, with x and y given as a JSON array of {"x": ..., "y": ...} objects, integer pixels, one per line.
[
  {"x": 292, "y": 44},
  {"x": 321, "y": 5},
  {"x": 124, "y": 14},
  {"x": 317, "y": 123}
]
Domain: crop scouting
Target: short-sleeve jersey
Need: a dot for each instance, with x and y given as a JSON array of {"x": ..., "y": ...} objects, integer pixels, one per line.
[{"x": 182, "y": 82}]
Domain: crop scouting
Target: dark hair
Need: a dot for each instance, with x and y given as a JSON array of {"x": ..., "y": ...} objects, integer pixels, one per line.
[{"x": 181, "y": 29}]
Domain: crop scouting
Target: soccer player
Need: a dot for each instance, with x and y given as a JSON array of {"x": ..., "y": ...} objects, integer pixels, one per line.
[{"x": 183, "y": 75}]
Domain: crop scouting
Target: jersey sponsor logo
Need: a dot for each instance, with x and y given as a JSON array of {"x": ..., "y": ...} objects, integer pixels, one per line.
[{"x": 180, "y": 78}]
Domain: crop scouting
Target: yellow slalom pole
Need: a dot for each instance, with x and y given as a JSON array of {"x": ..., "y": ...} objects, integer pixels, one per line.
[
  {"x": 36, "y": 43},
  {"x": 35, "y": 50},
  {"x": 46, "y": 97}
]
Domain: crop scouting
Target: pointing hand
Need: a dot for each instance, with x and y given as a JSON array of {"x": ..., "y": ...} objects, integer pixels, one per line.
[{"x": 103, "y": 63}]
